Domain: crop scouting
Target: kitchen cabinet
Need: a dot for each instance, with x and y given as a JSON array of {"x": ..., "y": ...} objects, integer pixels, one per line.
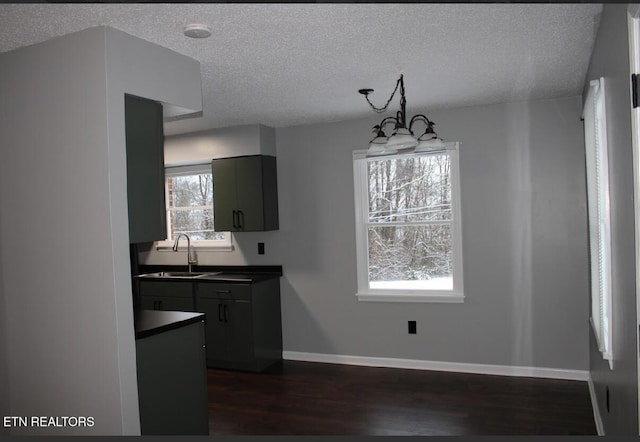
[
  {"x": 145, "y": 170},
  {"x": 243, "y": 328},
  {"x": 166, "y": 295},
  {"x": 172, "y": 377},
  {"x": 228, "y": 331},
  {"x": 245, "y": 193}
]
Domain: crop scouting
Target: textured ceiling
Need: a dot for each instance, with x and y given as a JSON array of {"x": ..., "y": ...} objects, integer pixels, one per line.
[{"x": 289, "y": 64}]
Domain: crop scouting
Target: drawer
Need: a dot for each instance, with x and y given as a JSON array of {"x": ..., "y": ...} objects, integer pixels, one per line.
[
  {"x": 166, "y": 288},
  {"x": 218, "y": 290}
]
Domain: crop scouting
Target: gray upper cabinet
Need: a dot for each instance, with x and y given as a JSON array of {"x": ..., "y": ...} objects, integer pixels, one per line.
[
  {"x": 245, "y": 193},
  {"x": 145, "y": 170}
]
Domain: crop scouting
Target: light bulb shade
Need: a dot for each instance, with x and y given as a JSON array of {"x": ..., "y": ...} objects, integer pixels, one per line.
[
  {"x": 388, "y": 150},
  {"x": 430, "y": 145},
  {"x": 376, "y": 150},
  {"x": 377, "y": 146},
  {"x": 402, "y": 139}
]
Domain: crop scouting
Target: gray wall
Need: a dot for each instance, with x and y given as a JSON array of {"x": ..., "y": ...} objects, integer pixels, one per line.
[
  {"x": 70, "y": 348},
  {"x": 610, "y": 59},
  {"x": 4, "y": 376},
  {"x": 524, "y": 239},
  {"x": 219, "y": 143},
  {"x": 61, "y": 333}
]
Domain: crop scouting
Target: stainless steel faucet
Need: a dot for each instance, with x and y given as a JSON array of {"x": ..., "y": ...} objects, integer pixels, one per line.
[{"x": 190, "y": 261}]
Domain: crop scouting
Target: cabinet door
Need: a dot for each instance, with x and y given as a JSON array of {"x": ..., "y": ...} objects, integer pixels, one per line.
[
  {"x": 169, "y": 303},
  {"x": 245, "y": 193},
  {"x": 250, "y": 203},
  {"x": 270, "y": 192},
  {"x": 238, "y": 318},
  {"x": 172, "y": 382},
  {"x": 145, "y": 170},
  {"x": 149, "y": 302},
  {"x": 224, "y": 195},
  {"x": 166, "y": 295},
  {"x": 215, "y": 330}
]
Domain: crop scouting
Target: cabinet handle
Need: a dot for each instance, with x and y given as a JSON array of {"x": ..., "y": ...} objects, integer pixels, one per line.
[
  {"x": 160, "y": 303},
  {"x": 235, "y": 219},
  {"x": 225, "y": 313},
  {"x": 240, "y": 219},
  {"x": 219, "y": 312},
  {"x": 223, "y": 291}
]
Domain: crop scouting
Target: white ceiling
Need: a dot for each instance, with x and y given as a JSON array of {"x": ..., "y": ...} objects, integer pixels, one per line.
[{"x": 289, "y": 64}]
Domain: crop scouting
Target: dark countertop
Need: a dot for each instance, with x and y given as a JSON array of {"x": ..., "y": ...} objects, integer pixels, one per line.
[
  {"x": 227, "y": 274},
  {"x": 238, "y": 278},
  {"x": 151, "y": 322}
]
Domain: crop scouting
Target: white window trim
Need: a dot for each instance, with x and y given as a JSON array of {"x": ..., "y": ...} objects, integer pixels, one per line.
[
  {"x": 361, "y": 191},
  {"x": 596, "y": 148},
  {"x": 223, "y": 245}
]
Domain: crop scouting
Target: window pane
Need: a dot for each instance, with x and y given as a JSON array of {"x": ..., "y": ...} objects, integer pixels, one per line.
[
  {"x": 197, "y": 223},
  {"x": 410, "y": 189},
  {"x": 411, "y": 257},
  {"x": 190, "y": 190}
]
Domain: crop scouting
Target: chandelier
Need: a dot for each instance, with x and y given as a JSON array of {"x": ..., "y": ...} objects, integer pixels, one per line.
[{"x": 402, "y": 137}]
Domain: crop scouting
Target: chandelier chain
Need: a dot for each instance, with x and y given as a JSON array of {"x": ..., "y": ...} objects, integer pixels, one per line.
[{"x": 384, "y": 108}]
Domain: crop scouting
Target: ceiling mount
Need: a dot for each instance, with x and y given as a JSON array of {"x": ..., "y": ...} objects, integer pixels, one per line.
[
  {"x": 196, "y": 30},
  {"x": 365, "y": 92}
]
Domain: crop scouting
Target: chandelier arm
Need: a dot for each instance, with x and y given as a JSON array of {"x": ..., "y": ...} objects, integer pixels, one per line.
[
  {"x": 420, "y": 117},
  {"x": 388, "y": 120}
]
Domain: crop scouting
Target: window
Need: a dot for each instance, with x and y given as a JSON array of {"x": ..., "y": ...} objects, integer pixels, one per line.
[
  {"x": 408, "y": 226},
  {"x": 595, "y": 134},
  {"x": 189, "y": 200}
]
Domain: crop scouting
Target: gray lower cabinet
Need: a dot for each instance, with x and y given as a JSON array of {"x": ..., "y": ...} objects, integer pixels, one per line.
[
  {"x": 166, "y": 295},
  {"x": 243, "y": 321},
  {"x": 243, "y": 327},
  {"x": 172, "y": 382}
]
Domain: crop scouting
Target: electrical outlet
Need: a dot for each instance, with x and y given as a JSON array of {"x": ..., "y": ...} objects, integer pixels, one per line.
[
  {"x": 412, "y": 327},
  {"x": 260, "y": 248}
]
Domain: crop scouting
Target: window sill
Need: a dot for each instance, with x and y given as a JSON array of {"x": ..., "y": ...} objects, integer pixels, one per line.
[
  {"x": 398, "y": 296},
  {"x": 202, "y": 246}
]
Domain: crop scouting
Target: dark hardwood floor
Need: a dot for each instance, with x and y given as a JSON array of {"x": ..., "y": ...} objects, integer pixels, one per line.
[{"x": 304, "y": 398}]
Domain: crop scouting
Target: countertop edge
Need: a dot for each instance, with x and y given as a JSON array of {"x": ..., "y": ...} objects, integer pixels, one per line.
[
  {"x": 244, "y": 278},
  {"x": 152, "y": 322}
]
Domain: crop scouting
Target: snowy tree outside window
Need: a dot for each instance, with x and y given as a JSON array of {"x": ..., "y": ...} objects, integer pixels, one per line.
[
  {"x": 189, "y": 199},
  {"x": 408, "y": 226}
]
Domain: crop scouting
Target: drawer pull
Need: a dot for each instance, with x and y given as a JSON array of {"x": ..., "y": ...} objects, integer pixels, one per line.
[{"x": 223, "y": 291}]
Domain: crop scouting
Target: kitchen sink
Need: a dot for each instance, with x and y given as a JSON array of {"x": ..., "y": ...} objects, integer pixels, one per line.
[{"x": 184, "y": 275}]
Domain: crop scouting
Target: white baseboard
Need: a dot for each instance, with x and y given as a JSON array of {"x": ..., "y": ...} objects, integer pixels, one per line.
[
  {"x": 597, "y": 417},
  {"x": 459, "y": 367}
]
